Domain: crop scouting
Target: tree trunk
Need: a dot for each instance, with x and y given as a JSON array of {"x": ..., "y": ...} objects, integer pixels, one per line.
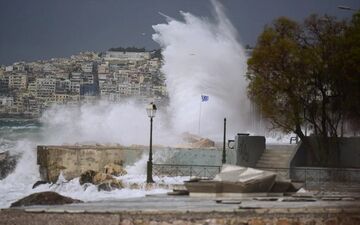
[{"x": 310, "y": 151}]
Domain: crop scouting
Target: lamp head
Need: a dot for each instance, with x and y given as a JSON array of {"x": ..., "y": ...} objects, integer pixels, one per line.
[{"x": 151, "y": 110}]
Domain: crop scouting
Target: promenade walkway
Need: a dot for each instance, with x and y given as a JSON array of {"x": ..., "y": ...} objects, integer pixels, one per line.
[{"x": 164, "y": 209}]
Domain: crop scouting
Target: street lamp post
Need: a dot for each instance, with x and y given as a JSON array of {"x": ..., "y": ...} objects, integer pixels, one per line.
[
  {"x": 224, "y": 142},
  {"x": 151, "y": 111}
]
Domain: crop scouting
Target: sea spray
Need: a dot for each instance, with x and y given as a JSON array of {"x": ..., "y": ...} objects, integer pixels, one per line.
[
  {"x": 204, "y": 57},
  {"x": 19, "y": 183},
  {"x": 106, "y": 123}
]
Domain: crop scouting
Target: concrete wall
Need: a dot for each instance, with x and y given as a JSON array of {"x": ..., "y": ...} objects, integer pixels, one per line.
[
  {"x": 331, "y": 178},
  {"x": 248, "y": 149},
  {"x": 348, "y": 155},
  {"x": 189, "y": 156},
  {"x": 74, "y": 160}
]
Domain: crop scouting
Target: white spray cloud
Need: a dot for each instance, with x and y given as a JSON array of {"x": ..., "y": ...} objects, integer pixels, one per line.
[
  {"x": 106, "y": 123},
  {"x": 204, "y": 57},
  {"x": 97, "y": 123}
]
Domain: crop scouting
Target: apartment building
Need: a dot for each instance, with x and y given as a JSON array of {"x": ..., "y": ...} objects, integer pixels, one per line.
[{"x": 18, "y": 81}]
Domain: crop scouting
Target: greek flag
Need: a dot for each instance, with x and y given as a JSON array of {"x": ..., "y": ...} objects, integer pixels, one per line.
[{"x": 204, "y": 98}]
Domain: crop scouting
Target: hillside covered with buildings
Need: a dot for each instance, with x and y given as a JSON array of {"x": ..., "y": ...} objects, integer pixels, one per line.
[{"x": 28, "y": 88}]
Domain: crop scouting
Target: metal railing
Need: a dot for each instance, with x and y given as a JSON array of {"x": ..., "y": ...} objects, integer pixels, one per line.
[
  {"x": 312, "y": 177},
  {"x": 321, "y": 177},
  {"x": 175, "y": 170}
]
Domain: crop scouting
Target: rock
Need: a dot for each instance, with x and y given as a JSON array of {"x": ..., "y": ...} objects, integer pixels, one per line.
[
  {"x": 101, "y": 178},
  {"x": 195, "y": 141},
  {"x": 85, "y": 186},
  {"x": 109, "y": 185},
  {"x": 3, "y": 156},
  {"x": 7, "y": 163},
  {"x": 44, "y": 198},
  {"x": 190, "y": 138},
  {"x": 281, "y": 186},
  {"x": 135, "y": 186},
  {"x": 115, "y": 170},
  {"x": 87, "y": 177},
  {"x": 136, "y": 146},
  {"x": 104, "y": 181},
  {"x": 203, "y": 143},
  {"x": 40, "y": 182}
]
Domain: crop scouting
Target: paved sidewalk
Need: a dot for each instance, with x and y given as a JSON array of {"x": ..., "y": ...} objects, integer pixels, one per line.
[
  {"x": 166, "y": 203},
  {"x": 164, "y": 209}
]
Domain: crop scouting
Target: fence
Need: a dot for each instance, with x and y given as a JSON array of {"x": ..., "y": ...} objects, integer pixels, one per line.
[
  {"x": 321, "y": 177},
  {"x": 176, "y": 170},
  {"x": 345, "y": 179}
]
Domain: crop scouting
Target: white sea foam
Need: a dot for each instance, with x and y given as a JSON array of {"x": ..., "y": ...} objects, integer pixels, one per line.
[
  {"x": 19, "y": 183},
  {"x": 136, "y": 176}
]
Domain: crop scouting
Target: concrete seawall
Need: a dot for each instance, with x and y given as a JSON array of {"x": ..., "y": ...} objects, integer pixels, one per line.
[{"x": 74, "y": 160}]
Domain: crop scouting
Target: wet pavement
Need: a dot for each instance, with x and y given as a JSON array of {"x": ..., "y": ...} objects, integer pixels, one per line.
[{"x": 167, "y": 203}]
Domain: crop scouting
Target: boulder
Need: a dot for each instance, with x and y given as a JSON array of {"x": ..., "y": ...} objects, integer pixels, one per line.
[
  {"x": 87, "y": 177},
  {"x": 135, "y": 186},
  {"x": 195, "y": 141},
  {"x": 115, "y": 169},
  {"x": 109, "y": 185},
  {"x": 37, "y": 183},
  {"x": 203, "y": 143},
  {"x": 7, "y": 163},
  {"x": 105, "y": 182},
  {"x": 190, "y": 138},
  {"x": 44, "y": 198},
  {"x": 100, "y": 178}
]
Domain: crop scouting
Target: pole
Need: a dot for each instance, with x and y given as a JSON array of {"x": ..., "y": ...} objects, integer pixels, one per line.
[
  {"x": 149, "y": 178},
  {"x": 199, "y": 118},
  {"x": 224, "y": 144}
]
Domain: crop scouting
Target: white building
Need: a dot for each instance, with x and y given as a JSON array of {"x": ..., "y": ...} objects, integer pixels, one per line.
[
  {"x": 126, "y": 56},
  {"x": 9, "y": 68},
  {"x": 6, "y": 101},
  {"x": 87, "y": 67},
  {"x": 18, "y": 81},
  {"x": 45, "y": 87}
]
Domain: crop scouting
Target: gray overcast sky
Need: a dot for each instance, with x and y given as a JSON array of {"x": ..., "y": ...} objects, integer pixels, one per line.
[{"x": 41, "y": 29}]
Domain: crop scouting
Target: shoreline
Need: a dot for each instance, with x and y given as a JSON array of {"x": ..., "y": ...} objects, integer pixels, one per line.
[{"x": 4, "y": 116}]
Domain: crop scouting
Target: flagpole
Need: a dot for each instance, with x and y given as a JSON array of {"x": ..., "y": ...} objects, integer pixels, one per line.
[{"x": 199, "y": 116}]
